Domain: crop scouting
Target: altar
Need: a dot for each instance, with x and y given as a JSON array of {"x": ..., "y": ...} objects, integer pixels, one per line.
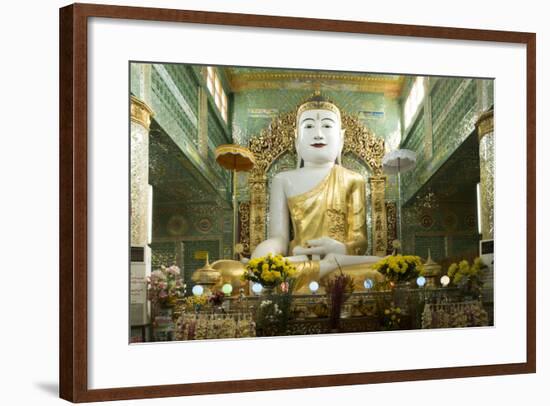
[
  {"x": 275, "y": 203},
  {"x": 261, "y": 316}
]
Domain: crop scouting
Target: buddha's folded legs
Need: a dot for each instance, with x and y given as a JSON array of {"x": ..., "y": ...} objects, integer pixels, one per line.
[{"x": 358, "y": 267}]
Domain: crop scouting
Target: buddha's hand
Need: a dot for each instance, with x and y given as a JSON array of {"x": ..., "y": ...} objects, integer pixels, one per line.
[{"x": 321, "y": 246}]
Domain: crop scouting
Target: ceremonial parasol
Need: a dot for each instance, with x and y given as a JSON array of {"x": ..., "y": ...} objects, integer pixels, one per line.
[
  {"x": 397, "y": 162},
  {"x": 237, "y": 159}
]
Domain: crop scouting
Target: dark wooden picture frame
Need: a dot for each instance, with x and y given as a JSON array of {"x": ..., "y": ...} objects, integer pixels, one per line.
[{"x": 73, "y": 201}]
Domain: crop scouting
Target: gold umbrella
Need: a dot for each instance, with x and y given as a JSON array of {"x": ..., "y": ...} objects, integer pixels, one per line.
[{"x": 237, "y": 159}]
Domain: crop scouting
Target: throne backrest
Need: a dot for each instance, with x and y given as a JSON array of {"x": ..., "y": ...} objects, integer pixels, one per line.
[{"x": 277, "y": 140}]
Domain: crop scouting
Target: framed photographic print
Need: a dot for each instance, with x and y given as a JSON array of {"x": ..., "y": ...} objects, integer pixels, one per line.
[{"x": 255, "y": 202}]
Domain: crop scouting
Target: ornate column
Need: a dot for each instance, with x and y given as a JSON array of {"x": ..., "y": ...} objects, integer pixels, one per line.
[
  {"x": 140, "y": 115},
  {"x": 428, "y": 131},
  {"x": 258, "y": 209},
  {"x": 203, "y": 122},
  {"x": 482, "y": 94},
  {"x": 379, "y": 221},
  {"x": 486, "y": 136}
]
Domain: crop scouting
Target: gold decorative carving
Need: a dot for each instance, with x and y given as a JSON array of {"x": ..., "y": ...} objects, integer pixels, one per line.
[
  {"x": 391, "y": 86},
  {"x": 272, "y": 142},
  {"x": 380, "y": 225},
  {"x": 391, "y": 215},
  {"x": 244, "y": 221},
  {"x": 278, "y": 138},
  {"x": 337, "y": 230},
  {"x": 140, "y": 112},
  {"x": 258, "y": 211},
  {"x": 362, "y": 142}
]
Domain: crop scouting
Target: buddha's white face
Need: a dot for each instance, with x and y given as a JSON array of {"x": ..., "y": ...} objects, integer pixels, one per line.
[{"x": 320, "y": 138}]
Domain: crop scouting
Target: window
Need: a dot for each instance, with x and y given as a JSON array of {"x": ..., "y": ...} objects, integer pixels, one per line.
[
  {"x": 214, "y": 85},
  {"x": 414, "y": 100}
]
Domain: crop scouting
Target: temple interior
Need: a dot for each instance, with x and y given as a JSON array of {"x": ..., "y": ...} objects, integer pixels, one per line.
[{"x": 422, "y": 145}]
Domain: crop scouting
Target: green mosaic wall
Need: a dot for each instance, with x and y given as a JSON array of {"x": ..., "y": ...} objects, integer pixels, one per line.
[
  {"x": 135, "y": 77},
  {"x": 163, "y": 254},
  {"x": 173, "y": 95},
  {"x": 441, "y": 95},
  {"x": 450, "y": 229},
  {"x": 443, "y": 214},
  {"x": 202, "y": 221},
  {"x": 411, "y": 181},
  {"x": 253, "y": 110},
  {"x": 180, "y": 123},
  {"x": 455, "y": 107},
  {"x": 217, "y": 136},
  {"x": 452, "y": 129},
  {"x": 174, "y": 98}
]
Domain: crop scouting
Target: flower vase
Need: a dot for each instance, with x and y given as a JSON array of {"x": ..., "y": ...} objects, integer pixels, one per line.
[
  {"x": 268, "y": 291},
  {"x": 335, "y": 302},
  {"x": 401, "y": 293},
  {"x": 403, "y": 285},
  {"x": 159, "y": 308},
  {"x": 166, "y": 310}
]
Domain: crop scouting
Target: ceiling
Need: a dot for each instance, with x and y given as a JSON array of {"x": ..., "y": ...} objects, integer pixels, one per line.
[{"x": 243, "y": 79}]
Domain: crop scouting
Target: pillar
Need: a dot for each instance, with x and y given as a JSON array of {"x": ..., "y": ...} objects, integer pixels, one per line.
[
  {"x": 203, "y": 122},
  {"x": 486, "y": 136},
  {"x": 140, "y": 115}
]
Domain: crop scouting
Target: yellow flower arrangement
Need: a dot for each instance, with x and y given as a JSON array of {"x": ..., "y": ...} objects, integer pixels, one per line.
[
  {"x": 270, "y": 270},
  {"x": 193, "y": 302},
  {"x": 462, "y": 274},
  {"x": 397, "y": 268}
]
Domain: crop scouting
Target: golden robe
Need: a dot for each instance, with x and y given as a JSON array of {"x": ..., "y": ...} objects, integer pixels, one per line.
[{"x": 334, "y": 208}]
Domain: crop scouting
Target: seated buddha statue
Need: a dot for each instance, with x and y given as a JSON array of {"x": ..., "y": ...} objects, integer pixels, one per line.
[{"x": 324, "y": 202}]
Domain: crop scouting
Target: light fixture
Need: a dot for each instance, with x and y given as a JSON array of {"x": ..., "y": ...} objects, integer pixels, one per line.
[
  {"x": 368, "y": 284},
  {"x": 420, "y": 281},
  {"x": 445, "y": 280},
  {"x": 227, "y": 288},
  {"x": 314, "y": 286},
  {"x": 197, "y": 290},
  {"x": 257, "y": 288}
]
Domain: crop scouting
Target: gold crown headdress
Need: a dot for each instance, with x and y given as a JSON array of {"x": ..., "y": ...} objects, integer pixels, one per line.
[{"x": 317, "y": 102}]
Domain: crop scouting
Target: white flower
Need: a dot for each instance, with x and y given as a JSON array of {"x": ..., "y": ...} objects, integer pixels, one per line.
[
  {"x": 157, "y": 274},
  {"x": 265, "y": 303},
  {"x": 173, "y": 270}
]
